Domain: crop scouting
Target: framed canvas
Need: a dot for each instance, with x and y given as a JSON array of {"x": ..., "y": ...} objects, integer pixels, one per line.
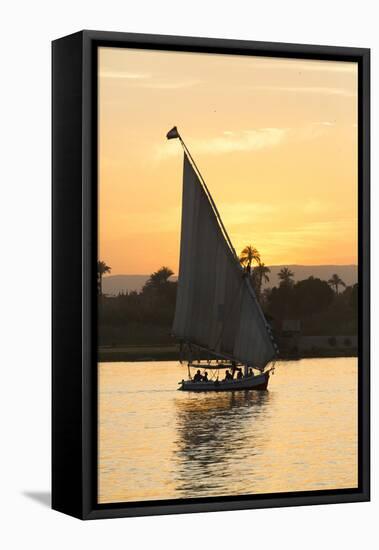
[{"x": 210, "y": 274}]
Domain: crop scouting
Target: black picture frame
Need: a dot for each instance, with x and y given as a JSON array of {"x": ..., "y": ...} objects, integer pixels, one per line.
[{"x": 74, "y": 205}]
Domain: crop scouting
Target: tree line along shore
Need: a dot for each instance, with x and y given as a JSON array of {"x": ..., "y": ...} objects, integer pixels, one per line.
[{"x": 309, "y": 318}]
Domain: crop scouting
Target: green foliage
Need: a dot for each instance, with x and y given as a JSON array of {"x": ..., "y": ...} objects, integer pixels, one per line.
[
  {"x": 258, "y": 276},
  {"x": 159, "y": 280},
  {"x": 145, "y": 318},
  {"x": 352, "y": 296},
  {"x": 311, "y": 296},
  {"x": 286, "y": 277},
  {"x": 335, "y": 282},
  {"x": 102, "y": 268},
  {"x": 140, "y": 318},
  {"x": 320, "y": 310},
  {"x": 249, "y": 255}
]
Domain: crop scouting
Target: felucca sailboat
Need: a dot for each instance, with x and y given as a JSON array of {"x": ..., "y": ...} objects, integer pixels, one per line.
[{"x": 218, "y": 319}]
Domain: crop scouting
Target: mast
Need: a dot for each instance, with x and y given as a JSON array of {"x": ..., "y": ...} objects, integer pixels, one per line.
[
  {"x": 174, "y": 133},
  {"x": 216, "y": 307}
]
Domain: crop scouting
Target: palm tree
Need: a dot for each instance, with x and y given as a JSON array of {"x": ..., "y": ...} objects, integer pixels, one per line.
[
  {"x": 335, "y": 281},
  {"x": 161, "y": 276},
  {"x": 286, "y": 275},
  {"x": 102, "y": 268},
  {"x": 248, "y": 255},
  {"x": 158, "y": 278},
  {"x": 261, "y": 274}
]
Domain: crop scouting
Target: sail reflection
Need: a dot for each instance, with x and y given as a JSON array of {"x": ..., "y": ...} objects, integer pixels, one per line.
[{"x": 215, "y": 432}]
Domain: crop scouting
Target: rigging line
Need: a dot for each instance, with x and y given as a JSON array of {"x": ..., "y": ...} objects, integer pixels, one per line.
[
  {"x": 215, "y": 353},
  {"x": 209, "y": 196}
]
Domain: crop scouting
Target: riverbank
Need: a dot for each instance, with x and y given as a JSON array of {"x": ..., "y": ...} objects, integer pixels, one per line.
[
  {"x": 108, "y": 354},
  {"x": 138, "y": 353}
]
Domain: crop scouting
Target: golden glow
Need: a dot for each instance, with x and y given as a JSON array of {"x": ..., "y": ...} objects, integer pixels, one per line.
[
  {"x": 275, "y": 139},
  {"x": 168, "y": 444}
]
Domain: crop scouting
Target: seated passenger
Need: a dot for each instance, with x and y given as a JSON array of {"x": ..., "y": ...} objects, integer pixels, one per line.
[
  {"x": 197, "y": 377},
  {"x": 239, "y": 373},
  {"x": 251, "y": 373},
  {"x": 205, "y": 377},
  {"x": 228, "y": 376}
]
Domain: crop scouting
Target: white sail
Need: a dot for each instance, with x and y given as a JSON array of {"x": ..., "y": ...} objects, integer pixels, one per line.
[{"x": 216, "y": 307}]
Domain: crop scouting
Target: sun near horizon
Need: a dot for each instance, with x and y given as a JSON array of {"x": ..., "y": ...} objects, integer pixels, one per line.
[{"x": 275, "y": 139}]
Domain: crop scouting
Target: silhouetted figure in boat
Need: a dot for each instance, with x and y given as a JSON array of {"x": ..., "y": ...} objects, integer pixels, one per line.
[
  {"x": 239, "y": 374},
  {"x": 251, "y": 372},
  {"x": 205, "y": 377},
  {"x": 197, "y": 377},
  {"x": 228, "y": 376}
]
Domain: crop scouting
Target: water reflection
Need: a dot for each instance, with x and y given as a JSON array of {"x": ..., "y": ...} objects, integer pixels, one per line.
[
  {"x": 158, "y": 443},
  {"x": 211, "y": 437}
]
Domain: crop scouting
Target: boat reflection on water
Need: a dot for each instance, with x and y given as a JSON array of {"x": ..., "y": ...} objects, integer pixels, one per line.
[
  {"x": 158, "y": 443},
  {"x": 217, "y": 434}
]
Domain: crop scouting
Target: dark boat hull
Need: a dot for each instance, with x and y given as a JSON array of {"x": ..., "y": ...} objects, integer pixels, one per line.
[{"x": 258, "y": 382}]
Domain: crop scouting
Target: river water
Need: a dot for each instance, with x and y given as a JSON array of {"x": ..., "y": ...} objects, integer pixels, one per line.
[{"x": 159, "y": 443}]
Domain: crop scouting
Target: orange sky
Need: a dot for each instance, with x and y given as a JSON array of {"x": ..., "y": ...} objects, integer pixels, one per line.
[{"x": 275, "y": 139}]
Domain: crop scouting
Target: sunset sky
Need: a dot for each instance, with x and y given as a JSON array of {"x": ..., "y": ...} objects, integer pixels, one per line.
[{"x": 275, "y": 139}]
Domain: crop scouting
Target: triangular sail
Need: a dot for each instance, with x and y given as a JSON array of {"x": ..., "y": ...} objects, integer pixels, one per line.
[{"x": 216, "y": 308}]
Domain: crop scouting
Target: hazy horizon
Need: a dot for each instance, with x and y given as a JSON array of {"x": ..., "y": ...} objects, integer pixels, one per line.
[
  {"x": 112, "y": 274},
  {"x": 127, "y": 282}
]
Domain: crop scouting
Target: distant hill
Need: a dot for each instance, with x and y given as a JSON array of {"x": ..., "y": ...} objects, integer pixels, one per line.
[
  {"x": 114, "y": 284},
  {"x": 348, "y": 273}
]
